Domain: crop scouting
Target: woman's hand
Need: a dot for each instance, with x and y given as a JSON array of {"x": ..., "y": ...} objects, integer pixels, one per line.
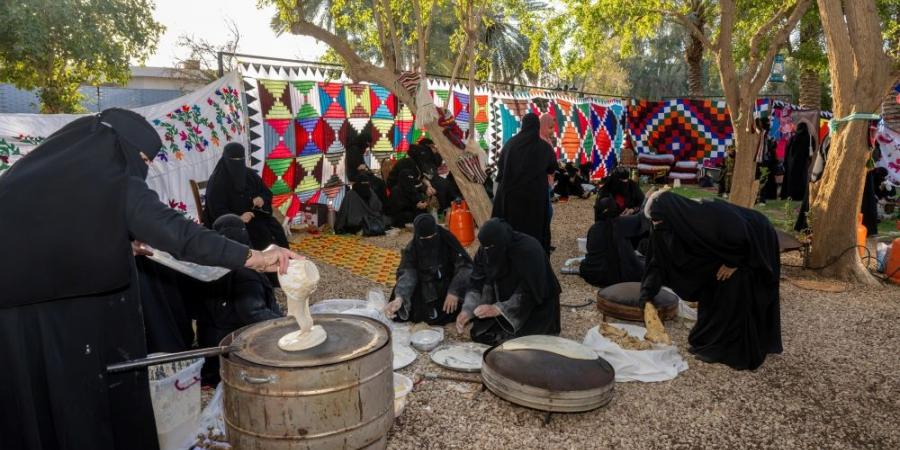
[
  {"x": 137, "y": 247},
  {"x": 391, "y": 309},
  {"x": 486, "y": 311},
  {"x": 725, "y": 272},
  {"x": 258, "y": 202},
  {"x": 462, "y": 320},
  {"x": 272, "y": 259},
  {"x": 450, "y": 303},
  {"x": 422, "y": 205},
  {"x": 247, "y": 217}
]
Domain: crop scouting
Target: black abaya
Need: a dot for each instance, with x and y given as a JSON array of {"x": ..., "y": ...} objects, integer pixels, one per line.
[
  {"x": 738, "y": 320},
  {"x": 167, "y": 325},
  {"x": 407, "y": 190},
  {"x": 432, "y": 265},
  {"x": 796, "y": 176},
  {"x": 610, "y": 256},
  {"x": 869, "y": 206},
  {"x": 231, "y": 190},
  {"x": 521, "y": 197},
  {"x": 71, "y": 306},
  {"x": 512, "y": 272}
]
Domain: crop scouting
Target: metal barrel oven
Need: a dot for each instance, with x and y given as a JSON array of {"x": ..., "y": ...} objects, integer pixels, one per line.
[{"x": 337, "y": 395}]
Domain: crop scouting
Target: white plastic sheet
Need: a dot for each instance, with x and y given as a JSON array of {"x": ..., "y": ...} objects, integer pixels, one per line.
[{"x": 661, "y": 363}]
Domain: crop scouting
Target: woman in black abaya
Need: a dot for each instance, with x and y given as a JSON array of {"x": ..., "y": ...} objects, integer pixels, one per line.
[
  {"x": 70, "y": 301},
  {"x": 727, "y": 259},
  {"x": 796, "y": 165},
  {"x": 525, "y": 162},
  {"x": 627, "y": 194},
  {"x": 359, "y": 175},
  {"x": 432, "y": 277},
  {"x": 409, "y": 189},
  {"x": 513, "y": 291},
  {"x": 610, "y": 256},
  {"x": 235, "y": 189}
]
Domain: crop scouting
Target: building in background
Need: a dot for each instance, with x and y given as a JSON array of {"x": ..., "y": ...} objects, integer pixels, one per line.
[{"x": 148, "y": 85}]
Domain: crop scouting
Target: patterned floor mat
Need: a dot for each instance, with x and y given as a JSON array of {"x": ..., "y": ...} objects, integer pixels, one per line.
[{"x": 352, "y": 254}]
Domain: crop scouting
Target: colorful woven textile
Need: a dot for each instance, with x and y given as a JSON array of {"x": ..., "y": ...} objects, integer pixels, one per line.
[
  {"x": 889, "y": 141},
  {"x": 302, "y": 111},
  {"x": 194, "y": 129},
  {"x": 687, "y": 129},
  {"x": 352, "y": 254}
]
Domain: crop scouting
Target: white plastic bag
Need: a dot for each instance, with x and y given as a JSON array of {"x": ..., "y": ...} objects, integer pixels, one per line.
[
  {"x": 212, "y": 417},
  {"x": 685, "y": 311},
  {"x": 661, "y": 363}
]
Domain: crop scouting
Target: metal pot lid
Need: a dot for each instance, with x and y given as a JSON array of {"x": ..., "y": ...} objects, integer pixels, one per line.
[
  {"x": 349, "y": 337},
  {"x": 550, "y": 371}
]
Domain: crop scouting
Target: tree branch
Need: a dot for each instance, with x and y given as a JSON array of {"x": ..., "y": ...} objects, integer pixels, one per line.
[
  {"x": 420, "y": 36},
  {"x": 387, "y": 56},
  {"x": 357, "y": 68},
  {"x": 388, "y": 15},
  {"x": 683, "y": 20},
  {"x": 760, "y": 72}
]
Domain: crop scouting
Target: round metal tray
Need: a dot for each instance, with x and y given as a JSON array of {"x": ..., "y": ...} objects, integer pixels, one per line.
[
  {"x": 548, "y": 381},
  {"x": 468, "y": 350},
  {"x": 349, "y": 337}
]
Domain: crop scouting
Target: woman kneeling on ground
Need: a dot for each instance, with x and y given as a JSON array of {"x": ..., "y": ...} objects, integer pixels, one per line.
[
  {"x": 433, "y": 275},
  {"x": 513, "y": 291}
]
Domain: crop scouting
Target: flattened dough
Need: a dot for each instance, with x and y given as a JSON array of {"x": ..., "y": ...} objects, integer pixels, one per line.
[{"x": 552, "y": 344}]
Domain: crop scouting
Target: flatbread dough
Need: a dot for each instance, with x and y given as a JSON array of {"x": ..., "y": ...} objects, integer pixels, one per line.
[
  {"x": 656, "y": 332},
  {"x": 298, "y": 284},
  {"x": 552, "y": 344},
  {"x": 622, "y": 338}
]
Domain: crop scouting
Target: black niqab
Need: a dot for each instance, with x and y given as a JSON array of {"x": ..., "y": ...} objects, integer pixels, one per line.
[
  {"x": 99, "y": 153},
  {"x": 796, "y": 176}
]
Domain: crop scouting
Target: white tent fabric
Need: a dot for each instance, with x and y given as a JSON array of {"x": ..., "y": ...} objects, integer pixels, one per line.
[{"x": 194, "y": 129}]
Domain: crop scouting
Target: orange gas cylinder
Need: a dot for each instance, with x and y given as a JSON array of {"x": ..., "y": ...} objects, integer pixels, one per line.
[
  {"x": 892, "y": 265},
  {"x": 861, "y": 233},
  {"x": 461, "y": 223}
]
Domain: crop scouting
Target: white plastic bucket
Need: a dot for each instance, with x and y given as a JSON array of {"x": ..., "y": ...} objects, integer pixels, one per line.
[
  {"x": 175, "y": 392},
  {"x": 402, "y": 387}
]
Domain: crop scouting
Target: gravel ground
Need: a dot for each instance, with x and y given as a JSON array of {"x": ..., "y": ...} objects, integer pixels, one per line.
[{"x": 835, "y": 386}]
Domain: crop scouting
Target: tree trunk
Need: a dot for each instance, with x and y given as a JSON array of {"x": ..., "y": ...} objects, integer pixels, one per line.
[
  {"x": 860, "y": 74},
  {"x": 694, "y": 52},
  {"x": 838, "y": 199},
  {"x": 810, "y": 86},
  {"x": 745, "y": 144},
  {"x": 810, "y": 89},
  {"x": 694, "y": 56}
]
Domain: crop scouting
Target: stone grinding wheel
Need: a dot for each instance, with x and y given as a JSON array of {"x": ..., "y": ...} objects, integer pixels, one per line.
[{"x": 548, "y": 381}]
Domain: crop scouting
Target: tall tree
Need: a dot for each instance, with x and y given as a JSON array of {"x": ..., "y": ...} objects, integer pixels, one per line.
[
  {"x": 810, "y": 56},
  {"x": 701, "y": 13},
  {"x": 55, "y": 46},
  {"x": 862, "y": 70},
  {"x": 400, "y": 32},
  {"x": 749, "y": 34}
]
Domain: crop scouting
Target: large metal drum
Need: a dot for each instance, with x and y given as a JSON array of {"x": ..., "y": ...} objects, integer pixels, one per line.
[
  {"x": 338, "y": 395},
  {"x": 548, "y": 381}
]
